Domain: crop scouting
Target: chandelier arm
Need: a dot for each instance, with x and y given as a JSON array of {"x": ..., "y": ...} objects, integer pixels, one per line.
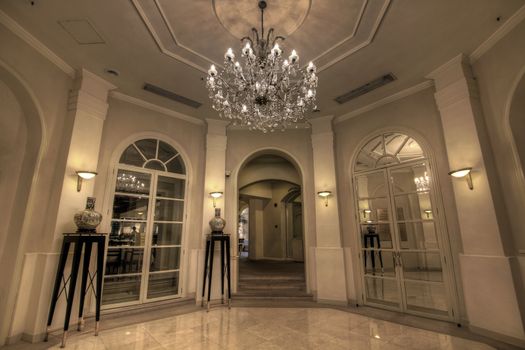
[
  {"x": 278, "y": 37},
  {"x": 270, "y": 31}
]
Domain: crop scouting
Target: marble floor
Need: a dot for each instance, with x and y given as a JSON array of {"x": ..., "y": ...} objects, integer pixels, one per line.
[{"x": 253, "y": 328}]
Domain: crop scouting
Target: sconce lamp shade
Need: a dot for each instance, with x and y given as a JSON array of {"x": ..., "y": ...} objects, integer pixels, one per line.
[
  {"x": 325, "y": 195},
  {"x": 463, "y": 172},
  {"x": 460, "y": 172},
  {"x": 86, "y": 175},
  {"x": 215, "y": 195}
]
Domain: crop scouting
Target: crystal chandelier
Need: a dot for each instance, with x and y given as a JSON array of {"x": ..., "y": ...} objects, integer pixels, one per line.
[
  {"x": 263, "y": 91},
  {"x": 422, "y": 183},
  {"x": 129, "y": 183}
]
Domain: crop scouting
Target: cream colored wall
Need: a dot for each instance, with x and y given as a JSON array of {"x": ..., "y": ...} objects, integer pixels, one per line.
[
  {"x": 42, "y": 91},
  {"x": 126, "y": 123},
  {"x": 297, "y": 143},
  {"x": 498, "y": 73},
  {"x": 415, "y": 115}
]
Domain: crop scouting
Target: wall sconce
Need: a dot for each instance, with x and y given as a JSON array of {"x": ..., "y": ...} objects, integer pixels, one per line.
[
  {"x": 427, "y": 212},
  {"x": 325, "y": 195},
  {"x": 84, "y": 175},
  {"x": 215, "y": 195},
  {"x": 464, "y": 172},
  {"x": 366, "y": 213}
]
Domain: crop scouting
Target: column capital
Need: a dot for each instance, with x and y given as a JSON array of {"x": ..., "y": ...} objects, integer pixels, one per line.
[
  {"x": 322, "y": 124},
  {"x": 456, "y": 69},
  {"x": 216, "y": 126}
]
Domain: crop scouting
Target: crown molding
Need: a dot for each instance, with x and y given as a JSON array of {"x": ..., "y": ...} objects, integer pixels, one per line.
[
  {"x": 499, "y": 34},
  {"x": 156, "y": 108},
  {"x": 23, "y": 34},
  {"x": 384, "y": 101}
]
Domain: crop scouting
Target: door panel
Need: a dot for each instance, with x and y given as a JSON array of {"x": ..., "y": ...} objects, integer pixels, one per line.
[{"x": 401, "y": 260}]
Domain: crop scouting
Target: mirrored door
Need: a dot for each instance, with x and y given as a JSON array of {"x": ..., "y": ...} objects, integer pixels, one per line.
[
  {"x": 401, "y": 254},
  {"x": 144, "y": 250}
]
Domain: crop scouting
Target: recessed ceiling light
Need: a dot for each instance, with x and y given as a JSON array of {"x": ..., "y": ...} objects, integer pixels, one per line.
[{"x": 111, "y": 71}]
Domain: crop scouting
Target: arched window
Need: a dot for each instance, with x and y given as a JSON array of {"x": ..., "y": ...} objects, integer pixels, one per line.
[
  {"x": 402, "y": 253},
  {"x": 144, "y": 251}
]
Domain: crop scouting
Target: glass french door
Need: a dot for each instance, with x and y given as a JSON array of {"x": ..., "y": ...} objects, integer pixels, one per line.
[
  {"x": 143, "y": 258},
  {"x": 403, "y": 263}
]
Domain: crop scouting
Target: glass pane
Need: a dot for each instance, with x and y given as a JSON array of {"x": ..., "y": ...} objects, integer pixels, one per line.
[
  {"x": 379, "y": 263},
  {"x": 148, "y": 147},
  {"x": 376, "y": 236},
  {"x": 155, "y": 165},
  {"x": 422, "y": 266},
  {"x": 166, "y": 152},
  {"x": 132, "y": 182},
  {"x": 120, "y": 289},
  {"x": 415, "y": 206},
  {"x": 373, "y": 210},
  {"x": 411, "y": 179},
  {"x": 371, "y": 185},
  {"x": 164, "y": 259},
  {"x": 167, "y": 234},
  {"x": 163, "y": 284},
  {"x": 124, "y": 260},
  {"x": 170, "y": 187},
  {"x": 367, "y": 157},
  {"x": 418, "y": 235},
  {"x": 127, "y": 233},
  {"x": 394, "y": 142},
  {"x": 132, "y": 157},
  {"x": 176, "y": 165},
  {"x": 134, "y": 208},
  {"x": 410, "y": 151},
  {"x": 426, "y": 297},
  {"x": 382, "y": 291},
  {"x": 168, "y": 210}
]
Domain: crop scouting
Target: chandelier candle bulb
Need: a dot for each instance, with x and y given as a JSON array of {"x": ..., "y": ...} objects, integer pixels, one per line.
[{"x": 262, "y": 90}]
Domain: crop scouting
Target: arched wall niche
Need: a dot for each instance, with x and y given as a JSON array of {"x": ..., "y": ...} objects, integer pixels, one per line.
[
  {"x": 23, "y": 158},
  {"x": 232, "y": 204}
]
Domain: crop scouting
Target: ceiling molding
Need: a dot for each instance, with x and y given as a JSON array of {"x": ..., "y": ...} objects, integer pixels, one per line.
[
  {"x": 165, "y": 50},
  {"x": 384, "y": 101},
  {"x": 379, "y": 19},
  {"x": 153, "y": 107},
  {"x": 23, "y": 34},
  {"x": 157, "y": 40},
  {"x": 499, "y": 34}
]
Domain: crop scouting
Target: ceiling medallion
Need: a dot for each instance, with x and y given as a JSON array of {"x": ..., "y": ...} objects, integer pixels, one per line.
[{"x": 263, "y": 92}]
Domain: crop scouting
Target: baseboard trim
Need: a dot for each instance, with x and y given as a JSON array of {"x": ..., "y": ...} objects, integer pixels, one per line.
[
  {"x": 498, "y": 336},
  {"x": 332, "y": 302}
]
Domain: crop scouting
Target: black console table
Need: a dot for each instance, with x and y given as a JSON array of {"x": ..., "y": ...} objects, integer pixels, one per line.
[
  {"x": 82, "y": 241},
  {"x": 224, "y": 241}
]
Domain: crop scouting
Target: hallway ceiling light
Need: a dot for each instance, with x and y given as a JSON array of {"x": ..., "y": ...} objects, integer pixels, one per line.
[
  {"x": 325, "y": 195},
  {"x": 265, "y": 91},
  {"x": 464, "y": 172},
  {"x": 215, "y": 195},
  {"x": 84, "y": 175}
]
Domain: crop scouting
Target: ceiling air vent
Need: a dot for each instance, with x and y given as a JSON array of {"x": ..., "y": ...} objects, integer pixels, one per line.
[
  {"x": 364, "y": 89},
  {"x": 171, "y": 95}
]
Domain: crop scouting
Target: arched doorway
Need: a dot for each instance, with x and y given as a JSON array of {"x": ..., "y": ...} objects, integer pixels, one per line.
[
  {"x": 22, "y": 136},
  {"x": 143, "y": 259},
  {"x": 271, "y": 258},
  {"x": 402, "y": 238}
]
